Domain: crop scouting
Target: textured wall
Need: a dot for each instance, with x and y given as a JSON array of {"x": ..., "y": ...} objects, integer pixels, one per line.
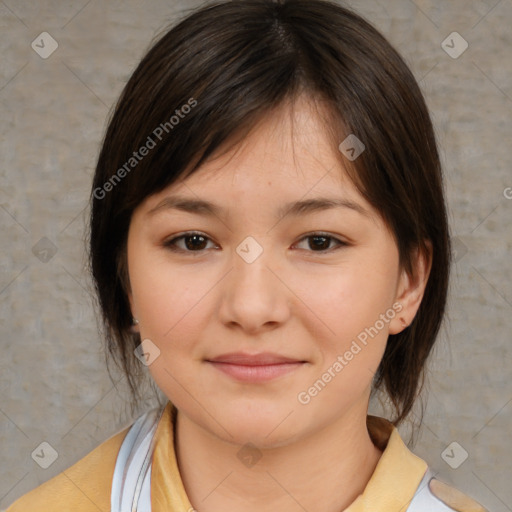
[{"x": 53, "y": 381}]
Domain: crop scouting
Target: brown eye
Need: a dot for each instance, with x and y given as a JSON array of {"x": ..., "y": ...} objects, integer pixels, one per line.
[
  {"x": 321, "y": 242},
  {"x": 192, "y": 242}
]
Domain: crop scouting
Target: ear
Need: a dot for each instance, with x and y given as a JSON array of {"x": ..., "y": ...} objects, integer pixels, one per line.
[
  {"x": 135, "y": 326},
  {"x": 411, "y": 288},
  {"x": 122, "y": 272}
]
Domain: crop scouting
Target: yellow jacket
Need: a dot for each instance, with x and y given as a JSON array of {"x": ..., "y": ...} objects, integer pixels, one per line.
[{"x": 86, "y": 486}]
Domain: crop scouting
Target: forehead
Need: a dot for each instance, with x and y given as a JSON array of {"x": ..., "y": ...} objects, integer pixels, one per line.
[
  {"x": 288, "y": 154},
  {"x": 291, "y": 142}
]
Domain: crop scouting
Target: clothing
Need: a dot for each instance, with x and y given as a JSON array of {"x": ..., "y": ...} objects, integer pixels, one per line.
[{"x": 87, "y": 485}]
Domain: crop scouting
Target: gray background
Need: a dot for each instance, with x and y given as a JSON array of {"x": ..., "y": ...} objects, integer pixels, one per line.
[{"x": 53, "y": 380}]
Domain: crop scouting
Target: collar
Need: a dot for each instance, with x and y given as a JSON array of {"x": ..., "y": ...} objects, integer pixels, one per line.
[{"x": 391, "y": 487}]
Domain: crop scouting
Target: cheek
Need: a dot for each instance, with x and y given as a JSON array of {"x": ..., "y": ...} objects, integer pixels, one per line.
[
  {"x": 350, "y": 351},
  {"x": 166, "y": 297},
  {"x": 353, "y": 308},
  {"x": 171, "y": 314},
  {"x": 349, "y": 300}
]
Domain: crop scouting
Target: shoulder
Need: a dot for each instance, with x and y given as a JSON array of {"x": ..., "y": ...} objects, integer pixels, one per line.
[
  {"x": 433, "y": 494},
  {"x": 83, "y": 487}
]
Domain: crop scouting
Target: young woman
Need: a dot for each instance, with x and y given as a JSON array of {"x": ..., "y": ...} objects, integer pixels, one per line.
[{"x": 269, "y": 239}]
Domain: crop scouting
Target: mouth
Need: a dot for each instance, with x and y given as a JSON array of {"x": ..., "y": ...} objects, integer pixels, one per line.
[{"x": 255, "y": 367}]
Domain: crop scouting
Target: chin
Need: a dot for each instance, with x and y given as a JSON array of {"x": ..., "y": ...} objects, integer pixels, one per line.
[{"x": 263, "y": 425}]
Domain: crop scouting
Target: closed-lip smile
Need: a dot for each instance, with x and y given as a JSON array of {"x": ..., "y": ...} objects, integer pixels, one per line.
[{"x": 260, "y": 367}]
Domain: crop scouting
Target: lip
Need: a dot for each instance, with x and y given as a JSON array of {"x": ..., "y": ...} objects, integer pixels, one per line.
[
  {"x": 261, "y": 367},
  {"x": 260, "y": 359}
]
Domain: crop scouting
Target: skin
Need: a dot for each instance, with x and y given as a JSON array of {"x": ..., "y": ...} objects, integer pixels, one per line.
[{"x": 295, "y": 300}]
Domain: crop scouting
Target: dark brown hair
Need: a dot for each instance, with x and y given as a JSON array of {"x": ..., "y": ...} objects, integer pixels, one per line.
[{"x": 209, "y": 79}]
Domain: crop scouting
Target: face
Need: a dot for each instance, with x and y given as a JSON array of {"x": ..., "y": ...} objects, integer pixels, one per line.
[{"x": 267, "y": 312}]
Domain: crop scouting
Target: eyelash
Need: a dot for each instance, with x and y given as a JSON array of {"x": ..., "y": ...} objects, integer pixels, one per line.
[{"x": 171, "y": 243}]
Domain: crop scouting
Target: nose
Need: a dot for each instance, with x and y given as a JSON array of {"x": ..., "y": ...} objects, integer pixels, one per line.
[{"x": 253, "y": 296}]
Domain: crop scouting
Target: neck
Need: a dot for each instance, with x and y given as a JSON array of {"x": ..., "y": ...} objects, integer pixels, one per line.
[{"x": 325, "y": 471}]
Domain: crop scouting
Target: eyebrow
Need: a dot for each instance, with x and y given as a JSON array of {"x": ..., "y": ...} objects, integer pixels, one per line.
[{"x": 207, "y": 208}]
